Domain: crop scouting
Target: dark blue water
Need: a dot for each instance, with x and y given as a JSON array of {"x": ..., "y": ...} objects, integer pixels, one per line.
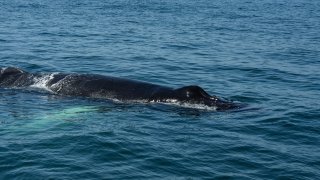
[{"x": 262, "y": 53}]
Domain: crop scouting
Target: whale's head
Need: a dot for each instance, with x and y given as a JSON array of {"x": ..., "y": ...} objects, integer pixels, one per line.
[
  {"x": 196, "y": 95},
  {"x": 9, "y": 75},
  {"x": 10, "y": 71}
]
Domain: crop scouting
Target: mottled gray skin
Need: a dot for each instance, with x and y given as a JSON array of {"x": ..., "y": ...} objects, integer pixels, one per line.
[{"x": 98, "y": 86}]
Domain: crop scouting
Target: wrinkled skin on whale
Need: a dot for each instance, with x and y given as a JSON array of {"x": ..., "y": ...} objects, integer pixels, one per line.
[{"x": 98, "y": 86}]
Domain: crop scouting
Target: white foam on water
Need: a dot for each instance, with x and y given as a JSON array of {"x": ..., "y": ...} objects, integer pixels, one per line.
[
  {"x": 169, "y": 102},
  {"x": 41, "y": 82},
  {"x": 175, "y": 102},
  {"x": 192, "y": 106}
]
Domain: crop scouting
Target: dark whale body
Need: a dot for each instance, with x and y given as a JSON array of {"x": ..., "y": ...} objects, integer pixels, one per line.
[{"x": 98, "y": 86}]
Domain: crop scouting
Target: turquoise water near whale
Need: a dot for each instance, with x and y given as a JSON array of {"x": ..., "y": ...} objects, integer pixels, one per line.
[{"x": 261, "y": 53}]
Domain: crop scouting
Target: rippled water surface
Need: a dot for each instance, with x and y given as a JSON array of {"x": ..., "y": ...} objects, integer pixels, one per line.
[{"x": 265, "y": 54}]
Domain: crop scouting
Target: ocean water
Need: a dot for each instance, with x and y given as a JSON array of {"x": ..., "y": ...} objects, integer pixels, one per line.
[{"x": 265, "y": 54}]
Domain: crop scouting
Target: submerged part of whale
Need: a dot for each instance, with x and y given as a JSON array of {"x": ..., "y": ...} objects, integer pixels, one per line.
[{"x": 98, "y": 86}]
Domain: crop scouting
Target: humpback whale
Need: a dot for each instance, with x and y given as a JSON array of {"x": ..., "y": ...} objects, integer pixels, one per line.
[{"x": 107, "y": 87}]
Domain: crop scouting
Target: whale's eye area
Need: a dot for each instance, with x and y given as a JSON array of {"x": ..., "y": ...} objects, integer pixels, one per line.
[
  {"x": 189, "y": 94},
  {"x": 192, "y": 92}
]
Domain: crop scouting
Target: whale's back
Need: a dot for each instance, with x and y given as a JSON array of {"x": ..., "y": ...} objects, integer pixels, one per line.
[{"x": 98, "y": 86}]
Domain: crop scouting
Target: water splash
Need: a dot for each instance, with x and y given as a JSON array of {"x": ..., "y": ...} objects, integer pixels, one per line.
[{"x": 41, "y": 82}]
